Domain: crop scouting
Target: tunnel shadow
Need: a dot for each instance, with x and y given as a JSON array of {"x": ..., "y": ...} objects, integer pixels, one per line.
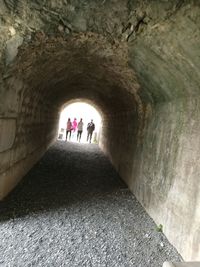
[{"x": 68, "y": 174}]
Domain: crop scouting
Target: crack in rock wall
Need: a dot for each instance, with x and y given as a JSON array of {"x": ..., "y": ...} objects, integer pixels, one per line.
[{"x": 138, "y": 62}]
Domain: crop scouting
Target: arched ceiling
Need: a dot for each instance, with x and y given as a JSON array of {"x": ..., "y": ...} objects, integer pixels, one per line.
[
  {"x": 103, "y": 44},
  {"x": 84, "y": 65}
]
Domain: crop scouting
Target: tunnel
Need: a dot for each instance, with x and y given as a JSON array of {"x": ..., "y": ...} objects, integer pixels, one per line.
[{"x": 138, "y": 63}]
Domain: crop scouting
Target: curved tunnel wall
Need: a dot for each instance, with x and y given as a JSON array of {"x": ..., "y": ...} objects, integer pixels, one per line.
[
  {"x": 48, "y": 73},
  {"x": 61, "y": 51}
]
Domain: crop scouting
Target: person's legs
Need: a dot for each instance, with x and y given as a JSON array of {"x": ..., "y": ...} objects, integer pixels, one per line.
[
  {"x": 70, "y": 132},
  {"x": 88, "y": 136},
  {"x": 80, "y": 136},
  {"x": 66, "y": 134}
]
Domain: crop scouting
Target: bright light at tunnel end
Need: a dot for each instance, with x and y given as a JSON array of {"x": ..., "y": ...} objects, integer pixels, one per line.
[{"x": 80, "y": 110}]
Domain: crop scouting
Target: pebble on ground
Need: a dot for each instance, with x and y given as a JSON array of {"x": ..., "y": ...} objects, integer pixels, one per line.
[{"x": 72, "y": 209}]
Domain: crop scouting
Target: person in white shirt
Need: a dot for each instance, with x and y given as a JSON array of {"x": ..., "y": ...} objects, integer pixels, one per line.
[{"x": 80, "y": 130}]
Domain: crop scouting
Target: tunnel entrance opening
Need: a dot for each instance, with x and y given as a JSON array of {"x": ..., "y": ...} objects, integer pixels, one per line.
[
  {"x": 139, "y": 67},
  {"x": 79, "y": 111}
]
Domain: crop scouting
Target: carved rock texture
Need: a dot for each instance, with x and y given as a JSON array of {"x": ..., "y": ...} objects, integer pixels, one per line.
[{"x": 138, "y": 63}]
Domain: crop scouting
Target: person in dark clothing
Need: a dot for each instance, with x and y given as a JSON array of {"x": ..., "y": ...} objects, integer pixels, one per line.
[
  {"x": 68, "y": 129},
  {"x": 90, "y": 130}
]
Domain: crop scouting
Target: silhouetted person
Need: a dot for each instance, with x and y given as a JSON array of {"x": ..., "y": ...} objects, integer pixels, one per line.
[
  {"x": 80, "y": 130},
  {"x": 90, "y": 130},
  {"x": 69, "y": 129}
]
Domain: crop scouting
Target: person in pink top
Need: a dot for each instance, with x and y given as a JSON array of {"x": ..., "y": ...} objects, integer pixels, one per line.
[{"x": 74, "y": 125}]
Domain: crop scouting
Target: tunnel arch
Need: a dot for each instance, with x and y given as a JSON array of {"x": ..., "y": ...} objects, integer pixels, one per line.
[
  {"x": 80, "y": 109},
  {"x": 52, "y": 71},
  {"x": 84, "y": 101},
  {"x": 141, "y": 60}
]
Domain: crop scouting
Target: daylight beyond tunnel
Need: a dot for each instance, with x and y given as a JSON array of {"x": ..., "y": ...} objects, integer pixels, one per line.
[{"x": 138, "y": 64}]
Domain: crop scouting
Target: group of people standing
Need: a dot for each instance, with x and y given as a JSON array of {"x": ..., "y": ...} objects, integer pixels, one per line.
[{"x": 72, "y": 127}]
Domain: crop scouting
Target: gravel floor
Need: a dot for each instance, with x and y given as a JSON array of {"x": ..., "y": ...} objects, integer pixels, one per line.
[{"x": 72, "y": 209}]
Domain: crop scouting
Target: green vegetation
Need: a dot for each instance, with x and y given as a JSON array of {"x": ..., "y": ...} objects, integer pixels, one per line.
[{"x": 159, "y": 228}]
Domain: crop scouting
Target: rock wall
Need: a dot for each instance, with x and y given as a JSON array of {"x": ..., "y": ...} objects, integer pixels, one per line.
[
  {"x": 138, "y": 62},
  {"x": 28, "y": 126},
  {"x": 166, "y": 173}
]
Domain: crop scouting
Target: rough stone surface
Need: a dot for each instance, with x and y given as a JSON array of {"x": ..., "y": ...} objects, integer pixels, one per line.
[
  {"x": 12, "y": 46},
  {"x": 138, "y": 62},
  {"x": 72, "y": 209},
  {"x": 181, "y": 264},
  {"x": 7, "y": 134}
]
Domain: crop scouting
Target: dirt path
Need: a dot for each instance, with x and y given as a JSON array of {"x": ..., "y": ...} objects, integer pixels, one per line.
[{"x": 72, "y": 209}]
